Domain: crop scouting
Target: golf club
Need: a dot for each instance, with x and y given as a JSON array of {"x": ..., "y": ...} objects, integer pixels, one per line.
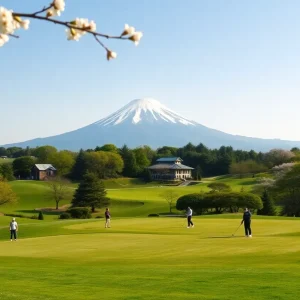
[{"x": 236, "y": 230}]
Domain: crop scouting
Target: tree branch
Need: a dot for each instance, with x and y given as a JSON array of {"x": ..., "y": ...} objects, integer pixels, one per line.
[{"x": 68, "y": 25}]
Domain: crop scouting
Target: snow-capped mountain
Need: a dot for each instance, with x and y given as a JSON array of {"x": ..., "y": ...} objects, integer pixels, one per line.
[
  {"x": 141, "y": 110},
  {"x": 148, "y": 122}
]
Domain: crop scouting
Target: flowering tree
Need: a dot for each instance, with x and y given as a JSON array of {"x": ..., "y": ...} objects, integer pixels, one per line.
[{"x": 10, "y": 22}]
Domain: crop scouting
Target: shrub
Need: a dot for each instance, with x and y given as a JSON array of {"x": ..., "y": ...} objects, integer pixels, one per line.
[
  {"x": 99, "y": 217},
  {"x": 153, "y": 215},
  {"x": 34, "y": 217},
  {"x": 65, "y": 215},
  {"x": 41, "y": 216},
  {"x": 80, "y": 212}
]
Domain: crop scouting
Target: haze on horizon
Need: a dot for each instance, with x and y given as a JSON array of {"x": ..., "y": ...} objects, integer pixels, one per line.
[{"x": 229, "y": 65}]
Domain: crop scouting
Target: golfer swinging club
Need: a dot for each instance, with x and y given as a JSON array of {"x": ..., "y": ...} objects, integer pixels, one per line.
[
  {"x": 189, "y": 213},
  {"x": 247, "y": 223}
]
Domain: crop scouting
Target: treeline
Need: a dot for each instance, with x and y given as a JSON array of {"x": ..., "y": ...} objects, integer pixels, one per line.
[{"x": 108, "y": 161}]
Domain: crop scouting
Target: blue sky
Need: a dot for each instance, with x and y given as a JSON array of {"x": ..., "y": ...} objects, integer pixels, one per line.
[{"x": 232, "y": 65}]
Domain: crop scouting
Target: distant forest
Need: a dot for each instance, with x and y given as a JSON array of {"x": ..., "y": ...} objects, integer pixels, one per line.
[{"x": 108, "y": 161}]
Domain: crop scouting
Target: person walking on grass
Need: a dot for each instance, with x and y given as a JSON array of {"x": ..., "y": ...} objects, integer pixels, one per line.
[
  {"x": 189, "y": 214},
  {"x": 13, "y": 227},
  {"x": 107, "y": 218},
  {"x": 247, "y": 223}
]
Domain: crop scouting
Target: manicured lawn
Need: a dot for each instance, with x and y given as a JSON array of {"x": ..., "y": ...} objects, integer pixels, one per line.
[{"x": 151, "y": 258}]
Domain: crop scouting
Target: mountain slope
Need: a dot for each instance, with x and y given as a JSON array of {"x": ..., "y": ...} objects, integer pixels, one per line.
[{"x": 148, "y": 122}]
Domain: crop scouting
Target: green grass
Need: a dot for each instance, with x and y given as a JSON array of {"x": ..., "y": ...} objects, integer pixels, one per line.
[
  {"x": 6, "y": 161},
  {"x": 144, "y": 258}
]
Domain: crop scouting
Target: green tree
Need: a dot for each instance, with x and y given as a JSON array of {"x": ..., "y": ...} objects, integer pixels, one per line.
[
  {"x": 107, "y": 148},
  {"x": 269, "y": 208},
  {"x": 6, "y": 193},
  {"x": 58, "y": 190},
  {"x": 7, "y": 172},
  {"x": 43, "y": 153},
  {"x": 79, "y": 167},
  {"x": 141, "y": 160},
  {"x": 130, "y": 165},
  {"x": 63, "y": 161},
  {"x": 247, "y": 167},
  {"x": 41, "y": 216},
  {"x": 22, "y": 166},
  {"x": 90, "y": 193}
]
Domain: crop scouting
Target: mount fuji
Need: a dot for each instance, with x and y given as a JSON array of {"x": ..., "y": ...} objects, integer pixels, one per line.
[{"x": 148, "y": 122}]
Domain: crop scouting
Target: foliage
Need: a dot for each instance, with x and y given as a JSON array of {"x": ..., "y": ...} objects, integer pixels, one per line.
[
  {"x": 7, "y": 172},
  {"x": 287, "y": 192},
  {"x": 90, "y": 193},
  {"x": 246, "y": 167},
  {"x": 41, "y": 216},
  {"x": 44, "y": 153},
  {"x": 269, "y": 208},
  {"x": 6, "y": 193},
  {"x": 22, "y": 167},
  {"x": 277, "y": 157},
  {"x": 170, "y": 196},
  {"x": 219, "y": 187},
  {"x": 79, "y": 167},
  {"x": 58, "y": 189},
  {"x": 79, "y": 212},
  {"x": 63, "y": 161},
  {"x": 130, "y": 164},
  {"x": 65, "y": 215},
  {"x": 219, "y": 202},
  {"x": 153, "y": 215}
]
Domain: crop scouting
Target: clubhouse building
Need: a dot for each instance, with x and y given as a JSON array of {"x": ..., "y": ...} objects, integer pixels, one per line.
[{"x": 170, "y": 168}]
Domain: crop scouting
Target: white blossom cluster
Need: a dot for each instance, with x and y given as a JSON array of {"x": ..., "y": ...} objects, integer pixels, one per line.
[
  {"x": 56, "y": 7},
  {"x": 9, "y": 24}
]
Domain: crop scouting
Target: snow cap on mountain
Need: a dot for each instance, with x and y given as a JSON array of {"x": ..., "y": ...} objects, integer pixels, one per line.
[{"x": 141, "y": 110}]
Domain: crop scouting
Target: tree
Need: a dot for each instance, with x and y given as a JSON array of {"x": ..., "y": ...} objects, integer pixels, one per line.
[
  {"x": 170, "y": 196},
  {"x": 41, "y": 216},
  {"x": 59, "y": 190},
  {"x": 6, "y": 193},
  {"x": 219, "y": 187},
  {"x": 277, "y": 157},
  {"x": 7, "y": 172},
  {"x": 63, "y": 161},
  {"x": 22, "y": 166},
  {"x": 79, "y": 167},
  {"x": 90, "y": 193},
  {"x": 287, "y": 192},
  {"x": 130, "y": 165},
  {"x": 247, "y": 167},
  {"x": 141, "y": 160},
  {"x": 107, "y": 148},
  {"x": 10, "y": 22},
  {"x": 43, "y": 153},
  {"x": 269, "y": 208}
]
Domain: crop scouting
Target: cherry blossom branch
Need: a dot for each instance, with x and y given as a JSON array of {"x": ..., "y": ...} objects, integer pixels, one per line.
[
  {"x": 11, "y": 21},
  {"x": 69, "y": 25}
]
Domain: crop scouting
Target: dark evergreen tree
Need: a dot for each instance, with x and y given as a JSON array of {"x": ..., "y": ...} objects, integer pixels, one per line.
[
  {"x": 41, "y": 216},
  {"x": 90, "y": 193},
  {"x": 80, "y": 166},
  {"x": 269, "y": 208}
]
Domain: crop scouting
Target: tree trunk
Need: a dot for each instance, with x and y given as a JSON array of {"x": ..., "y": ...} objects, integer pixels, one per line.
[
  {"x": 93, "y": 208},
  {"x": 56, "y": 205}
]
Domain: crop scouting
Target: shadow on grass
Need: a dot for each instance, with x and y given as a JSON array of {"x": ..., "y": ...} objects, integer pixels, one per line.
[{"x": 36, "y": 212}]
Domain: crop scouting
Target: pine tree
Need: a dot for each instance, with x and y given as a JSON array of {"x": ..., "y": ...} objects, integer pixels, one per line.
[
  {"x": 90, "y": 193},
  {"x": 41, "y": 216},
  {"x": 79, "y": 168},
  {"x": 269, "y": 208}
]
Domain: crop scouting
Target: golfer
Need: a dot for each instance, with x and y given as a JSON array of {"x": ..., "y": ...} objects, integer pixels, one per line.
[
  {"x": 189, "y": 213},
  {"x": 247, "y": 223},
  {"x": 107, "y": 218},
  {"x": 13, "y": 227}
]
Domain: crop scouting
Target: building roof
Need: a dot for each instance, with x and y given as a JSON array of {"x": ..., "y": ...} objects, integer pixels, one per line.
[
  {"x": 44, "y": 167},
  {"x": 169, "y": 159},
  {"x": 170, "y": 167}
]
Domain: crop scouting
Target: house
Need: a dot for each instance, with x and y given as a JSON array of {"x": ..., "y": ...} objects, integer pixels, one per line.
[
  {"x": 42, "y": 171},
  {"x": 170, "y": 168}
]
